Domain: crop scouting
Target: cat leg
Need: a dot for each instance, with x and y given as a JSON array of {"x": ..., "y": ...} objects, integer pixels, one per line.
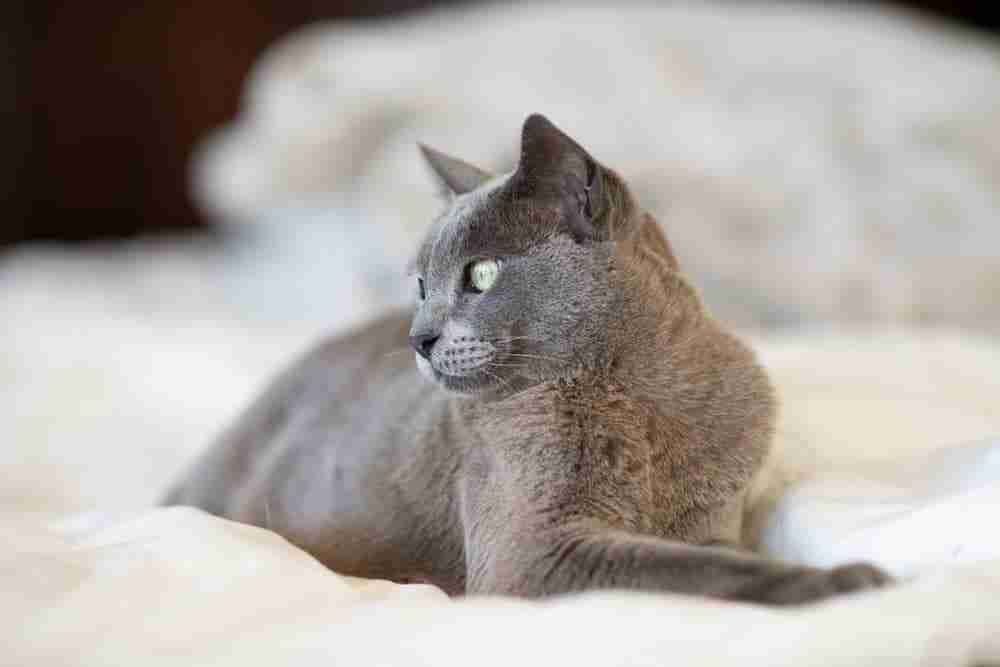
[{"x": 621, "y": 560}]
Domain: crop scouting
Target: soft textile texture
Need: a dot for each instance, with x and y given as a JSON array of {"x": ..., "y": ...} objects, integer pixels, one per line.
[
  {"x": 849, "y": 146},
  {"x": 913, "y": 516},
  {"x": 104, "y": 421},
  {"x": 175, "y": 586}
]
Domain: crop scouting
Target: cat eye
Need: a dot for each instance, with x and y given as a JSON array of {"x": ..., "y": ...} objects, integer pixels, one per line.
[
  {"x": 420, "y": 288},
  {"x": 482, "y": 274}
]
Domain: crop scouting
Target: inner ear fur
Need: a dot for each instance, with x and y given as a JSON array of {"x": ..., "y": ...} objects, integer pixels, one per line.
[
  {"x": 553, "y": 165},
  {"x": 600, "y": 207}
]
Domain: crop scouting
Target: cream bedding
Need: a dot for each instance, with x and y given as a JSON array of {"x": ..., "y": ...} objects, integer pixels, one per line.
[
  {"x": 175, "y": 586},
  {"x": 95, "y": 426}
]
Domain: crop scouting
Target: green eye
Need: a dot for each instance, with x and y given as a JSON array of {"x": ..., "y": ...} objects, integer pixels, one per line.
[{"x": 483, "y": 274}]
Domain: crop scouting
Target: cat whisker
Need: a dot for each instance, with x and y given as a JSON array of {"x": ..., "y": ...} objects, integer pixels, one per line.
[
  {"x": 496, "y": 364},
  {"x": 533, "y": 356},
  {"x": 497, "y": 378},
  {"x": 509, "y": 339}
]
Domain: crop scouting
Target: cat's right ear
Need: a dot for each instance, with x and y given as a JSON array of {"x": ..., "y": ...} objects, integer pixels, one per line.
[{"x": 454, "y": 176}]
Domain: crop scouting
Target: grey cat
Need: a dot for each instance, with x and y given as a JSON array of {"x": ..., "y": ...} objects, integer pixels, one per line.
[{"x": 575, "y": 420}]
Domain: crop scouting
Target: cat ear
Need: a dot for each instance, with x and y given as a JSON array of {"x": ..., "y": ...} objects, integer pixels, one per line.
[
  {"x": 553, "y": 164},
  {"x": 455, "y": 176}
]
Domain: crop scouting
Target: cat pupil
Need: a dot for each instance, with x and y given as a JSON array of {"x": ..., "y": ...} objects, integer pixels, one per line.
[{"x": 420, "y": 286}]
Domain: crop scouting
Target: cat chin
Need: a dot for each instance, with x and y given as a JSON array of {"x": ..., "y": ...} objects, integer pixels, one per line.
[
  {"x": 469, "y": 386},
  {"x": 463, "y": 385}
]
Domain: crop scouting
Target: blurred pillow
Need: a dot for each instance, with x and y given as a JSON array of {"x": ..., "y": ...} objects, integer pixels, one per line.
[{"x": 810, "y": 163}]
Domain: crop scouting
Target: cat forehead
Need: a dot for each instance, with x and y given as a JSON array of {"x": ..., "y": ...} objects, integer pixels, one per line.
[{"x": 486, "y": 222}]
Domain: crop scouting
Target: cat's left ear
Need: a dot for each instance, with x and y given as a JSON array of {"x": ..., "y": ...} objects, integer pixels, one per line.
[
  {"x": 553, "y": 165},
  {"x": 455, "y": 176}
]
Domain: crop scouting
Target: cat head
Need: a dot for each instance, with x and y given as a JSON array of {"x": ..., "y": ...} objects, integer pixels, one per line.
[{"x": 514, "y": 282}]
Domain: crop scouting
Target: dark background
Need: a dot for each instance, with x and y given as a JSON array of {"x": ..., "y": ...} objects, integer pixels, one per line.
[{"x": 102, "y": 102}]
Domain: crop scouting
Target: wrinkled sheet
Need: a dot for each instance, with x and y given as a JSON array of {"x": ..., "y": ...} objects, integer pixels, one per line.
[
  {"x": 176, "y": 586},
  {"x": 845, "y": 144},
  {"x": 101, "y": 423},
  {"x": 93, "y": 427},
  {"x": 912, "y": 516}
]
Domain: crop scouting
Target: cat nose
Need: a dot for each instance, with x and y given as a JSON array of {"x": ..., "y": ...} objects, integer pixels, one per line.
[{"x": 423, "y": 344}]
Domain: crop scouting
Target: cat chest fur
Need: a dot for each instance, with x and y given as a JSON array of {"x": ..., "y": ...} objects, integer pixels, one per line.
[{"x": 587, "y": 449}]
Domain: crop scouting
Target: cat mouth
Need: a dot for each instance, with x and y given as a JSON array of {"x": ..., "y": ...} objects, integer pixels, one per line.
[
  {"x": 466, "y": 382},
  {"x": 462, "y": 364},
  {"x": 467, "y": 385}
]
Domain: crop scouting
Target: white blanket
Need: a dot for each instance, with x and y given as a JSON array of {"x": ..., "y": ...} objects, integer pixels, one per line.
[
  {"x": 175, "y": 586},
  {"x": 179, "y": 587},
  {"x": 847, "y": 145},
  {"x": 911, "y": 516},
  {"x": 103, "y": 421}
]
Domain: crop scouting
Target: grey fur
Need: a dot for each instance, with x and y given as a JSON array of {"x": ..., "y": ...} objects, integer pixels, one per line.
[
  {"x": 455, "y": 176},
  {"x": 582, "y": 424}
]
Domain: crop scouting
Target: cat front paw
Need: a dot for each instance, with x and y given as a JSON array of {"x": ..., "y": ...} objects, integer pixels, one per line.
[
  {"x": 857, "y": 577},
  {"x": 812, "y": 585}
]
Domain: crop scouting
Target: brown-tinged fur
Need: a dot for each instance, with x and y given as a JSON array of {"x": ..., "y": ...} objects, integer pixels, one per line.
[{"x": 586, "y": 424}]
